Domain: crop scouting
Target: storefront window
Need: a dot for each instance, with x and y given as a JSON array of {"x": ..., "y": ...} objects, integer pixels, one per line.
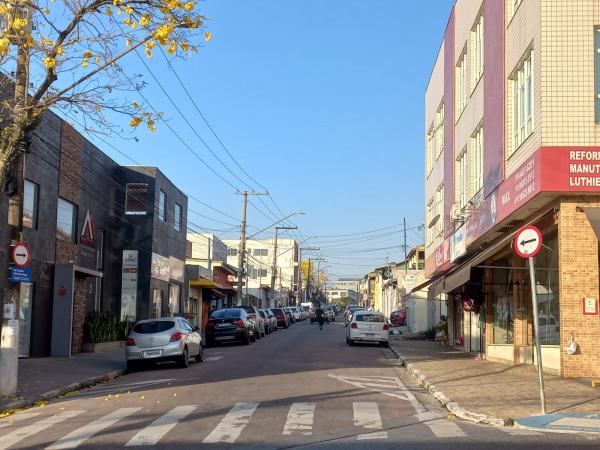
[
  {"x": 546, "y": 273},
  {"x": 174, "y": 296},
  {"x": 502, "y": 310},
  {"x": 156, "y": 303}
]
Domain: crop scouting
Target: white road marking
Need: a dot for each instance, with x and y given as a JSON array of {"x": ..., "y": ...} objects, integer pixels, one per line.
[
  {"x": 161, "y": 426},
  {"x": 212, "y": 358},
  {"x": 443, "y": 428},
  {"x": 390, "y": 386},
  {"x": 300, "y": 419},
  {"x": 35, "y": 428},
  {"x": 366, "y": 415},
  {"x": 82, "y": 434},
  {"x": 232, "y": 425},
  {"x": 18, "y": 418},
  {"x": 428, "y": 415}
]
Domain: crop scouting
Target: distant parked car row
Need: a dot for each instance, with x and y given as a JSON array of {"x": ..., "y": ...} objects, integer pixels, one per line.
[{"x": 175, "y": 339}]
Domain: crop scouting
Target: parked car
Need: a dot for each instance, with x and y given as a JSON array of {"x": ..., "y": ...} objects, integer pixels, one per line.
[
  {"x": 313, "y": 315},
  {"x": 296, "y": 313},
  {"x": 165, "y": 339},
  {"x": 398, "y": 318},
  {"x": 229, "y": 325},
  {"x": 283, "y": 319},
  {"x": 259, "y": 323},
  {"x": 350, "y": 311},
  {"x": 367, "y": 326},
  {"x": 290, "y": 314},
  {"x": 330, "y": 312},
  {"x": 270, "y": 320}
]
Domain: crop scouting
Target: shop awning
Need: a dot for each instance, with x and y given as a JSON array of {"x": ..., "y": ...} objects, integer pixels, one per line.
[
  {"x": 458, "y": 277},
  {"x": 203, "y": 282},
  {"x": 422, "y": 285},
  {"x": 593, "y": 215}
]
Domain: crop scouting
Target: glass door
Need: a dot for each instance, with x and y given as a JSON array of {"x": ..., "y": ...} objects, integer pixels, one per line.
[{"x": 26, "y": 303}]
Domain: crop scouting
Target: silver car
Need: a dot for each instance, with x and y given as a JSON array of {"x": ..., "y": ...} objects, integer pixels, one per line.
[{"x": 165, "y": 339}]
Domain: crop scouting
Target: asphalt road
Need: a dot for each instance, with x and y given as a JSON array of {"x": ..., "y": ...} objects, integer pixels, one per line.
[{"x": 297, "y": 388}]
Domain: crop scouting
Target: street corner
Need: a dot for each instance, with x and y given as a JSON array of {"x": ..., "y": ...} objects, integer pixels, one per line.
[{"x": 562, "y": 423}]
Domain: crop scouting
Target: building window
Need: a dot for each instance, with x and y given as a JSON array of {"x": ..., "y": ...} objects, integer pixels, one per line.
[
  {"x": 522, "y": 110},
  {"x": 477, "y": 50},
  {"x": 136, "y": 199},
  {"x": 178, "y": 217},
  {"x": 174, "y": 298},
  {"x": 461, "y": 83},
  {"x": 547, "y": 291},
  {"x": 513, "y": 5},
  {"x": 263, "y": 273},
  {"x": 66, "y": 220},
  {"x": 502, "y": 312},
  {"x": 439, "y": 209},
  {"x": 30, "y": 204},
  {"x": 462, "y": 179},
  {"x": 477, "y": 167},
  {"x": 597, "y": 73},
  {"x": 439, "y": 132},
  {"x": 261, "y": 252},
  {"x": 430, "y": 149},
  {"x": 162, "y": 206},
  {"x": 232, "y": 251}
]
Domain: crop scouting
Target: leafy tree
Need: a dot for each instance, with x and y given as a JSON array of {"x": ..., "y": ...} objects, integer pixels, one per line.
[{"x": 68, "y": 55}]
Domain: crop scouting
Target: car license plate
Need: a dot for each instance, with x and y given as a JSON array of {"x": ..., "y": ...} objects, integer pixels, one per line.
[
  {"x": 221, "y": 325},
  {"x": 224, "y": 338},
  {"x": 369, "y": 334},
  {"x": 152, "y": 354}
]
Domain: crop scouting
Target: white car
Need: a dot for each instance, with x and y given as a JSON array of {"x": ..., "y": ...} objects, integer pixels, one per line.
[
  {"x": 329, "y": 313},
  {"x": 296, "y": 313},
  {"x": 367, "y": 326}
]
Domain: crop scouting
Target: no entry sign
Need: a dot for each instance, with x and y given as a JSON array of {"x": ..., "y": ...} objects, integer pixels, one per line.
[
  {"x": 21, "y": 254},
  {"x": 528, "y": 241}
]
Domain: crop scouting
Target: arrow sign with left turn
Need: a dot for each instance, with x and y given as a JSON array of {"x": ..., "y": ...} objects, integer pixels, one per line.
[{"x": 528, "y": 241}]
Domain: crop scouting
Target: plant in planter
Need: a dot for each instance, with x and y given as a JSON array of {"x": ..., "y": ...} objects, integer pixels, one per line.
[{"x": 104, "y": 327}]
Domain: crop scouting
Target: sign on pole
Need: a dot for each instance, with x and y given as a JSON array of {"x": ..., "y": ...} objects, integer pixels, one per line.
[
  {"x": 21, "y": 254},
  {"x": 527, "y": 244}
]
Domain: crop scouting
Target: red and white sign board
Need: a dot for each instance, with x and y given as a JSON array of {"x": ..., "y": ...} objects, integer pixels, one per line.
[
  {"x": 590, "y": 306},
  {"x": 528, "y": 241},
  {"x": 21, "y": 254}
]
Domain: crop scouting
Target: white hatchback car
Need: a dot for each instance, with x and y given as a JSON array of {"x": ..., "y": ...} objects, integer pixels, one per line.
[{"x": 367, "y": 326}]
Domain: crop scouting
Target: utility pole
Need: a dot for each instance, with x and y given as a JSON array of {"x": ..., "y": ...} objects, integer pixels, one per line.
[
  {"x": 405, "y": 247},
  {"x": 242, "y": 247},
  {"x": 308, "y": 273},
  {"x": 273, "y": 271},
  {"x": 9, "y": 333}
]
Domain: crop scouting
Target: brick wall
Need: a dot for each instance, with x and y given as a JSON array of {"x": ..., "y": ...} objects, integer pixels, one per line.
[{"x": 578, "y": 278}]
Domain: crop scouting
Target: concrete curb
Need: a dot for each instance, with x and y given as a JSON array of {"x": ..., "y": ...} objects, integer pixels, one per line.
[
  {"x": 25, "y": 403},
  {"x": 450, "y": 405}
]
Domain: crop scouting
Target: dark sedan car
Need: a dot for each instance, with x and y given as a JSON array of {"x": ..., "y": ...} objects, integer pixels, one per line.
[
  {"x": 229, "y": 325},
  {"x": 283, "y": 319}
]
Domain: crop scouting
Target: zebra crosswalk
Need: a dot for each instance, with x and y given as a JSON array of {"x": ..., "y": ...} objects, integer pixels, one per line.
[{"x": 368, "y": 424}]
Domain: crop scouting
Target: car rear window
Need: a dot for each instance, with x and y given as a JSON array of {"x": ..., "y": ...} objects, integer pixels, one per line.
[
  {"x": 226, "y": 313},
  {"x": 369, "y": 318},
  {"x": 157, "y": 326},
  {"x": 276, "y": 310}
]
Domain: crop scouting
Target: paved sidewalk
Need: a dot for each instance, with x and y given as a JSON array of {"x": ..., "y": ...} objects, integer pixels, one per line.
[
  {"x": 45, "y": 378},
  {"x": 493, "y": 390}
]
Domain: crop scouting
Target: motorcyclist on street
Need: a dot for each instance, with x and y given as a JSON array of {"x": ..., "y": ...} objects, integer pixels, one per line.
[{"x": 320, "y": 314}]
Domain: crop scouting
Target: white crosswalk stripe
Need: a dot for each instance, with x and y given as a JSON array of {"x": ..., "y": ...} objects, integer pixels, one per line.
[
  {"x": 232, "y": 425},
  {"x": 300, "y": 419},
  {"x": 366, "y": 415},
  {"x": 520, "y": 432},
  {"x": 443, "y": 428},
  {"x": 18, "y": 418},
  {"x": 80, "y": 435},
  {"x": 161, "y": 426},
  {"x": 35, "y": 428}
]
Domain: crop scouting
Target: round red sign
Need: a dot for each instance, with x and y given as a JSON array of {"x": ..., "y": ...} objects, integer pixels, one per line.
[
  {"x": 528, "y": 241},
  {"x": 21, "y": 254}
]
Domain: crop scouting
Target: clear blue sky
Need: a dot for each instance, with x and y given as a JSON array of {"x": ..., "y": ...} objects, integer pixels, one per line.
[{"x": 319, "y": 101}]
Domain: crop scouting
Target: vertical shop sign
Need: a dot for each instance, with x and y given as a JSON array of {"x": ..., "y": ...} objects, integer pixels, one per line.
[{"x": 129, "y": 281}]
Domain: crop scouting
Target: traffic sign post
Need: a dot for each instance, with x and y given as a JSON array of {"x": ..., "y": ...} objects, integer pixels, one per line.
[
  {"x": 21, "y": 254},
  {"x": 527, "y": 244}
]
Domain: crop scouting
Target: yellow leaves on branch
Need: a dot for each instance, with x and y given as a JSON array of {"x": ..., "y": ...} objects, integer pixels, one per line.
[
  {"x": 207, "y": 36},
  {"x": 49, "y": 62},
  {"x": 145, "y": 117},
  {"x": 135, "y": 121},
  {"x": 4, "y": 46}
]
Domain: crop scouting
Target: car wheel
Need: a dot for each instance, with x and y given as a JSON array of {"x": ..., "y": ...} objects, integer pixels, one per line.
[
  {"x": 384, "y": 344},
  {"x": 133, "y": 366},
  {"x": 200, "y": 355},
  {"x": 184, "y": 359},
  {"x": 350, "y": 342}
]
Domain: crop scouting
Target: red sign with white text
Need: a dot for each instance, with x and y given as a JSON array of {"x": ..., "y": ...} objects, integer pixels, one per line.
[{"x": 549, "y": 169}]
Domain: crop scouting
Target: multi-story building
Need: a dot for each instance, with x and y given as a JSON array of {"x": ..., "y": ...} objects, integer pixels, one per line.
[
  {"x": 102, "y": 237},
  {"x": 512, "y": 126},
  {"x": 259, "y": 269}
]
